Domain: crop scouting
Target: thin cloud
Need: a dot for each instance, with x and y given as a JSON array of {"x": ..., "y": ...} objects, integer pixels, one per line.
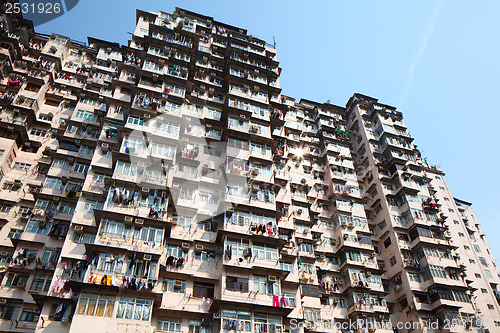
[{"x": 421, "y": 49}]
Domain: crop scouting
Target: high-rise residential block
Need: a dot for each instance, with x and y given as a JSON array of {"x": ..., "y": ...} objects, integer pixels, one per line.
[{"x": 168, "y": 185}]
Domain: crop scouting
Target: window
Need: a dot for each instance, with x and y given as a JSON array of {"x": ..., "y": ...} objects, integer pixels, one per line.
[
  {"x": 477, "y": 248},
  {"x": 176, "y": 251},
  {"x": 126, "y": 169},
  {"x": 95, "y": 305},
  {"x": 38, "y": 132},
  {"x": 205, "y": 255},
  {"x": 262, "y": 285},
  {"x": 84, "y": 238},
  {"x": 92, "y": 204},
  {"x": 4, "y": 208},
  {"x": 237, "y": 284},
  {"x": 184, "y": 221},
  {"x": 166, "y": 324},
  {"x": 488, "y": 273},
  {"x": 86, "y": 115},
  {"x": 163, "y": 150},
  {"x": 134, "y": 308},
  {"x": 231, "y": 317},
  {"x": 141, "y": 269},
  {"x": 472, "y": 261},
  {"x": 387, "y": 242},
  {"x": 195, "y": 326},
  {"x": 312, "y": 315},
  {"x": 188, "y": 169},
  {"x": 21, "y": 166},
  {"x": 30, "y": 315},
  {"x": 477, "y": 275},
  {"x": 211, "y": 151},
  {"x": 15, "y": 233},
  {"x": 81, "y": 168},
  {"x": 238, "y": 143},
  {"x": 10, "y": 311},
  {"x": 38, "y": 227},
  {"x": 40, "y": 282},
  {"x": 17, "y": 280},
  {"x": 203, "y": 290},
  {"x": 310, "y": 290},
  {"x": 168, "y": 127},
  {"x": 134, "y": 120},
  {"x": 491, "y": 307},
  {"x": 306, "y": 247},
  {"x": 61, "y": 164},
  {"x": 208, "y": 225},
  {"x": 393, "y": 261},
  {"x": 264, "y": 252},
  {"x": 414, "y": 277},
  {"x": 175, "y": 286}
]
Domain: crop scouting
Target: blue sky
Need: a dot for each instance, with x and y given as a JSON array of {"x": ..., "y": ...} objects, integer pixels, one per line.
[{"x": 436, "y": 61}]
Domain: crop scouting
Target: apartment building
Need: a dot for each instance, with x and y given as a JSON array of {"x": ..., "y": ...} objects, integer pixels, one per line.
[
  {"x": 169, "y": 186},
  {"x": 423, "y": 234}
]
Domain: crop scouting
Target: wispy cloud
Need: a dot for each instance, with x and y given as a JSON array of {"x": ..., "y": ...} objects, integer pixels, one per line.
[{"x": 422, "y": 47}]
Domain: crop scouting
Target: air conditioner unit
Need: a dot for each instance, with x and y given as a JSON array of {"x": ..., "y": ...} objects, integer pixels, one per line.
[
  {"x": 3, "y": 254},
  {"x": 140, "y": 165},
  {"x": 104, "y": 147},
  {"x": 147, "y": 257},
  {"x": 128, "y": 219},
  {"x": 139, "y": 221},
  {"x": 271, "y": 278},
  {"x": 334, "y": 242},
  {"x": 71, "y": 158},
  {"x": 146, "y": 116},
  {"x": 299, "y": 240},
  {"x": 242, "y": 116},
  {"x": 55, "y": 199},
  {"x": 255, "y": 188},
  {"x": 346, "y": 236},
  {"x": 78, "y": 141},
  {"x": 42, "y": 225},
  {"x": 303, "y": 180},
  {"x": 21, "y": 285},
  {"x": 186, "y": 246},
  {"x": 198, "y": 247},
  {"x": 178, "y": 284},
  {"x": 78, "y": 228}
]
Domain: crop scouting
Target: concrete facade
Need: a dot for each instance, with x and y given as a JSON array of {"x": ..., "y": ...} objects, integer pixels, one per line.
[{"x": 169, "y": 186}]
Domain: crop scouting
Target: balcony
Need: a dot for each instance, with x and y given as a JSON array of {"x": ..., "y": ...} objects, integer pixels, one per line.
[
  {"x": 257, "y": 299},
  {"x": 145, "y": 102},
  {"x": 128, "y": 243}
]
